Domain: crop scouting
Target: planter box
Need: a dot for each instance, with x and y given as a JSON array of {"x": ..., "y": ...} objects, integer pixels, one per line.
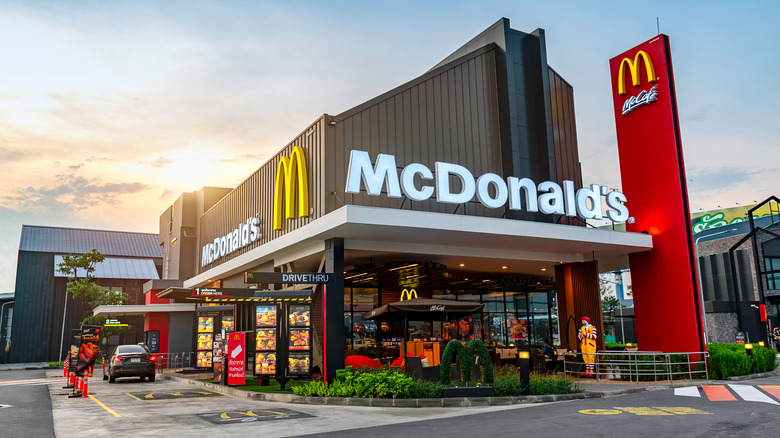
[{"x": 467, "y": 391}]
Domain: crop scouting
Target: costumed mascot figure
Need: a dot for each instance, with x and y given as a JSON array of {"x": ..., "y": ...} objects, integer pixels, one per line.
[{"x": 587, "y": 337}]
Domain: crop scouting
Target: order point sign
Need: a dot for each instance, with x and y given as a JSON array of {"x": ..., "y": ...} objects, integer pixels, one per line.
[{"x": 236, "y": 362}]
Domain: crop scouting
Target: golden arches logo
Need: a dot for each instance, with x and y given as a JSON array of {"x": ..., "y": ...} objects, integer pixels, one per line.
[
  {"x": 633, "y": 67},
  {"x": 408, "y": 294},
  {"x": 291, "y": 172}
]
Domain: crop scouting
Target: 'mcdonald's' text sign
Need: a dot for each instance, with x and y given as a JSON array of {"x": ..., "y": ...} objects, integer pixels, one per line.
[
  {"x": 548, "y": 197},
  {"x": 243, "y": 235}
]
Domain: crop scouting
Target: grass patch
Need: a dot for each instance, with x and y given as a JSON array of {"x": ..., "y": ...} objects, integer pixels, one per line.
[{"x": 252, "y": 386}]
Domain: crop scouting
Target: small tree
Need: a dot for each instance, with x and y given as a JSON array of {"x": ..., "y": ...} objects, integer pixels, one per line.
[{"x": 80, "y": 270}]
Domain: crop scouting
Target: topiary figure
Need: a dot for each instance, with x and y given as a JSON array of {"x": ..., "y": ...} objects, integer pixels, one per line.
[
  {"x": 476, "y": 346},
  {"x": 455, "y": 348}
]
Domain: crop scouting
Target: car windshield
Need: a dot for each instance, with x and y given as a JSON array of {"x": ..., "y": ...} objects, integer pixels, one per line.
[{"x": 130, "y": 349}]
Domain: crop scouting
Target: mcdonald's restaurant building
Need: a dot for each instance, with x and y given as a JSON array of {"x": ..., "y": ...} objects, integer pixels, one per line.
[{"x": 461, "y": 184}]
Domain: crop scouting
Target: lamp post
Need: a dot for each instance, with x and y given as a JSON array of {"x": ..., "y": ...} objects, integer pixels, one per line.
[
  {"x": 698, "y": 275},
  {"x": 525, "y": 372}
]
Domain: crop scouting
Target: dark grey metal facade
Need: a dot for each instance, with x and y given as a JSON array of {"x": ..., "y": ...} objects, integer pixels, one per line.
[
  {"x": 494, "y": 105},
  {"x": 39, "y": 295}
]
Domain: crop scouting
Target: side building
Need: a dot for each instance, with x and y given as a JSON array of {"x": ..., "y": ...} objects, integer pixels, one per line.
[{"x": 41, "y": 302}]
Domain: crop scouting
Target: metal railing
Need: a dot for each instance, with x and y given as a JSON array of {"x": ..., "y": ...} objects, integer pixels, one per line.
[
  {"x": 174, "y": 361},
  {"x": 640, "y": 366}
]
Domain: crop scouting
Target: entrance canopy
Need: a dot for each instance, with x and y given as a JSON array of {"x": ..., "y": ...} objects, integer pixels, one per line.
[{"x": 423, "y": 309}]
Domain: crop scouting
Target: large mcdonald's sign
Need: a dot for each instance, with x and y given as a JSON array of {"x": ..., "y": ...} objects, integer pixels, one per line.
[
  {"x": 408, "y": 294},
  {"x": 291, "y": 171},
  {"x": 650, "y": 149}
]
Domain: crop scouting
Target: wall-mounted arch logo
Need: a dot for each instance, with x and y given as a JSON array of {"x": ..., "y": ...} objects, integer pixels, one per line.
[
  {"x": 291, "y": 172},
  {"x": 408, "y": 294},
  {"x": 645, "y": 96}
]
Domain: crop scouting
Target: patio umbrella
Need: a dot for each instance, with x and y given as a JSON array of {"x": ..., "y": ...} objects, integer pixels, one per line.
[{"x": 424, "y": 309}]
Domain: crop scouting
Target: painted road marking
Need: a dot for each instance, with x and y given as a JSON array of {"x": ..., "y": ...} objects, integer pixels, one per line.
[
  {"x": 688, "y": 391},
  {"x": 655, "y": 410},
  {"x": 772, "y": 389},
  {"x": 30, "y": 382},
  {"x": 718, "y": 393},
  {"x": 105, "y": 407},
  {"x": 250, "y": 416},
  {"x": 749, "y": 393},
  {"x": 178, "y": 395}
]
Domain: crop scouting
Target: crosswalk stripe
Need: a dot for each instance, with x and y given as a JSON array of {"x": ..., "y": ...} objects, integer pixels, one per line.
[
  {"x": 687, "y": 391},
  {"x": 749, "y": 393},
  {"x": 772, "y": 389},
  {"x": 718, "y": 393}
]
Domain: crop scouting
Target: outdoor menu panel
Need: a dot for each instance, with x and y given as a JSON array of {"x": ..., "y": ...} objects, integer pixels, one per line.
[
  {"x": 299, "y": 339},
  {"x": 205, "y": 340},
  {"x": 204, "y": 359},
  {"x": 265, "y": 339},
  {"x": 265, "y": 363},
  {"x": 228, "y": 324},
  {"x": 206, "y": 324},
  {"x": 265, "y": 316}
]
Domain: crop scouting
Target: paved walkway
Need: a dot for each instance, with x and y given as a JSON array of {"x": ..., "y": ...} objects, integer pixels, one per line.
[{"x": 24, "y": 366}]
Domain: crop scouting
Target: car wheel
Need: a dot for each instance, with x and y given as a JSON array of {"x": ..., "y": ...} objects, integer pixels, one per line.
[
  {"x": 111, "y": 379},
  {"x": 151, "y": 378}
]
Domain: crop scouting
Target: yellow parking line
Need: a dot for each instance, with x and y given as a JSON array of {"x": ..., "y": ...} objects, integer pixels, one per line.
[{"x": 105, "y": 407}]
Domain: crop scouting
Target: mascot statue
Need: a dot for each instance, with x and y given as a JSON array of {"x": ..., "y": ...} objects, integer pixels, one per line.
[{"x": 587, "y": 337}]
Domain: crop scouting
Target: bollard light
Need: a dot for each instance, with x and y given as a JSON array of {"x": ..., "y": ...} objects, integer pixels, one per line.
[
  {"x": 761, "y": 343},
  {"x": 525, "y": 371},
  {"x": 748, "y": 346},
  {"x": 749, "y": 351}
]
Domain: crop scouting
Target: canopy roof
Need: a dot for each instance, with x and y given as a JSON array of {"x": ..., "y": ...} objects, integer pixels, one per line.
[{"x": 424, "y": 309}]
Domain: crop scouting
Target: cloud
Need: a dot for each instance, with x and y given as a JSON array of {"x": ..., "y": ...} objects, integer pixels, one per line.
[
  {"x": 708, "y": 179},
  {"x": 244, "y": 157},
  {"x": 159, "y": 162},
  {"x": 69, "y": 193}
]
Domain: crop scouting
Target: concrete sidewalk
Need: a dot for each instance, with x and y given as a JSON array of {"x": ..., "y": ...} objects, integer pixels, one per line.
[{"x": 26, "y": 366}]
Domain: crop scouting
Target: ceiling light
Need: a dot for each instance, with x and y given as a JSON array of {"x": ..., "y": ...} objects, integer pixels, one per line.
[
  {"x": 544, "y": 269},
  {"x": 462, "y": 265},
  {"x": 503, "y": 267}
]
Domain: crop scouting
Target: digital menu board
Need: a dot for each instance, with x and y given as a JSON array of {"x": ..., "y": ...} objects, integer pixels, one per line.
[
  {"x": 265, "y": 316},
  {"x": 228, "y": 324},
  {"x": 203, "y": 359},
  {"x": 265, "y": 363},
  {"x": 299, "y": 339},
  {"x": 299, "y": 315},
  {"x": 206, "y": 324},
  {"x": 265, "y": 339},
  {"x": 298, "y": 364},
  {"x": 205, "y": 340}
]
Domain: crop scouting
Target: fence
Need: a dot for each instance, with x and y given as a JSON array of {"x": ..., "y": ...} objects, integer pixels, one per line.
[
  {"x": 174, "y": 361},
  {"x": 641, "y": 365}
]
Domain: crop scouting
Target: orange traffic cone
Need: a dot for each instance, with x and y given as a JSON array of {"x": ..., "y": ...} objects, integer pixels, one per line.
[
  {"x": 65, "y": 368},
  {"x": 71, "y": 378},
  {"x": 84, "y": 386},
  {"x": 78, "y": 382}
]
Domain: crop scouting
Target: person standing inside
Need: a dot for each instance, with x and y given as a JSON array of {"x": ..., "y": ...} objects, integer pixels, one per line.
[{"x": 587, "y": 337}]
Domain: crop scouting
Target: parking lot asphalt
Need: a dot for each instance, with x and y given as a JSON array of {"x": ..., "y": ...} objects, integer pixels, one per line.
[{"x": 167, "y": 408}]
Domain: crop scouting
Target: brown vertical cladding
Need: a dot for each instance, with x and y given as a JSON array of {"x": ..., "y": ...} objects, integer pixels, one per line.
[
  {"x": 449, "y": 114},
  {"x": 255, "y": 197},
  {"x": 578, "y": 295},
  {"x": 567, "y": 160}
]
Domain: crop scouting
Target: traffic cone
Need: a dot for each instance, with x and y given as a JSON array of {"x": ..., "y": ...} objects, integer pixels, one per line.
[
  {"x": 71, "y": 378},
  {"x": 78, "y": 382},
  {"x": 84, "y": 386},
  {"x": 65, "y": 368}
]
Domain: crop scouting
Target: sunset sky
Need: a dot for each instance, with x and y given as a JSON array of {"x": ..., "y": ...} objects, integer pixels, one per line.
[{"x": 110, "y": 110}]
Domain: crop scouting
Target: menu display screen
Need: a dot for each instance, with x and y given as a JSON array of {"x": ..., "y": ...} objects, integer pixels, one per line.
[
  {"x": 205, "y": 340},
  {"x": 298, "y": 363},
  {"x": 299, "y": 315},
  {"x": 299, "y": 339},
  {"x": 203, "y": 359},
  {"x": 265, "y": 363},
  {"x": 265, "y": 316},
  {"x": 228, "y": 324},
  {"x": 265, "y": 339},
  {"x": 205, "y": 324}
]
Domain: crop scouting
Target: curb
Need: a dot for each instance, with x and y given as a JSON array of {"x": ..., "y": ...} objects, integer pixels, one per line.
[
  {"x": 407, "y": 402},
  {"x": 776, "y": 372}
]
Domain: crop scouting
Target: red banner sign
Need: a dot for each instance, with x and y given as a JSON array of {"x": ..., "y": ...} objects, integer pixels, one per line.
[{"x": 236, "y": 359}]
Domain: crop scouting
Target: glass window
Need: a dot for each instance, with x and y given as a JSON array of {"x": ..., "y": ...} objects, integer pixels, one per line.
[
  {"x": 468, "y": 296},
  {"x": 364, "y": 332},
  {"x": 494, "y": 301},
  {"x": 540, "y": 322}
]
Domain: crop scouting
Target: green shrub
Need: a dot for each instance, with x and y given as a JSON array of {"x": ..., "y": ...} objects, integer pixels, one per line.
[
  {"x": 507, "y": 386},
  {"x": 728, "y": 360},
  {"x": 352, "y": 383},
  {"x": 426, "y": 389},
  {"x": 453, "y": 348},
  {"x": 476, "y": 346},
  {"x": 765, "y": 359},
  {"x": 512, "y": 385}
]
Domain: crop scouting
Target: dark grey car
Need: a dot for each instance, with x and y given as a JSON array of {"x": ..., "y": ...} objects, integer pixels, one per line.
[{"x": 130, "y": 361}]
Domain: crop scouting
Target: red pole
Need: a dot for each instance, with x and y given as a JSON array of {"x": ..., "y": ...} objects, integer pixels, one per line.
[{"x": 84, "y": 385}]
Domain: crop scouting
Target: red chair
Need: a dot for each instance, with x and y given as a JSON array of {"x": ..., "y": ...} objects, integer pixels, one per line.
[{"x": 357, "y": 361}]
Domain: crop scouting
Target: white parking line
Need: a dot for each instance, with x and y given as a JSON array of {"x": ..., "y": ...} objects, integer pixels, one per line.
[
  {"x": 687, "y": 391},
  {"x": 750, "y": 393}
]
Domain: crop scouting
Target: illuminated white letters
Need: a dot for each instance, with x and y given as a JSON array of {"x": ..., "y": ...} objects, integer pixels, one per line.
[
  {"x": 521, "y": 193},
  {"x": 240, "y": 237}
]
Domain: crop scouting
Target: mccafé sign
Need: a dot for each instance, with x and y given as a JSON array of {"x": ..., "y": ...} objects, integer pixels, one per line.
[
  {"x": 633, "y": 67},
  {"x": 521, "y": 193}
]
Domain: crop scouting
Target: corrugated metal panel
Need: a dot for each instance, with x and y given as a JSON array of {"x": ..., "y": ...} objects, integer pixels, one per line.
[
  {"x": 80, "y": 241},
  {"x": 446, "y": 115},
  {"x": 119, "y": 268},
  {"x": 567, "y": 161},
  {"x": 255, "y": 197}
]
